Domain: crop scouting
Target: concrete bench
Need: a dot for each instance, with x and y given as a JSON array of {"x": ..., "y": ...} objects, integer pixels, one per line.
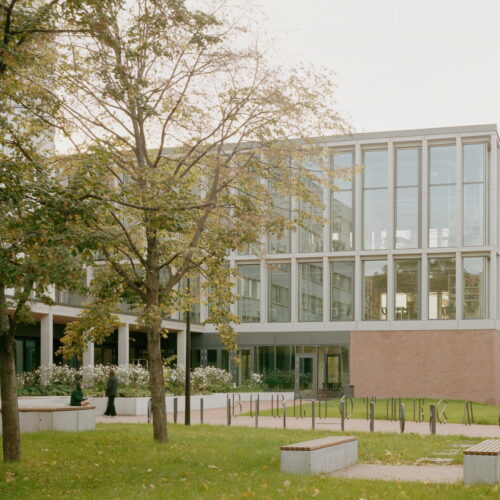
[
  {"x": 319, "y": 455},
  {"x": 482, "y": 462},
  {"x": 56, "y": 418}
]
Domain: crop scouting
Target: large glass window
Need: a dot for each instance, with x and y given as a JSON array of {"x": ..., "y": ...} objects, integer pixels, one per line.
[
  {"x": 342, "y": 291},
  {"x": 311, "y": 235},
  {"x": 311, "y": 291},
  {"x": 442, "y": 286},
  {"x": 375, "y": 200},
  {"x": 442, "y": 196},
  {"x": 474, "y": 282},
  {"x": 283, "y": 207},
  {"x": 407, "y": 198},
  {"x": 342, "y": 216},
  {"x": 279, "y": 292},
  {"x": 249, "y": 292},
  {"x": 474, "y": 205},
  {"x": 407, "y": 303},
  {"x": 375, "y": 290}
]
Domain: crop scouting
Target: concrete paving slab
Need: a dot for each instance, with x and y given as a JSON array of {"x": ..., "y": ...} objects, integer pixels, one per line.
[{"x": 421, "y": 473}]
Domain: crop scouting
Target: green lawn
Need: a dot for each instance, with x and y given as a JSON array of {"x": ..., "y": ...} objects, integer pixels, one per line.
[
  {"x": 483, "y": 414},
  {"x": 119, "y": 461}
]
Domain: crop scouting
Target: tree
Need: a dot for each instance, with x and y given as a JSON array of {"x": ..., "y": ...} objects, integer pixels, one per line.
[
  {"x": 180, "y": 125},
  {"x": 40, "y": 242}
]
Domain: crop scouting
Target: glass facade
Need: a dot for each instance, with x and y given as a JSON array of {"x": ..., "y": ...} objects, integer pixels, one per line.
[
  {"x": 311, "y": 235},
  {"x": 311, "y": 291},
  {"x": 474, "y": 158},
  {"x": 279, "y": 293},
  {"x": 474, "y": 287},
  {"x": 249, "y": 293},
  {"x": 282, "y": 206},
  {"x": 375, "y": 290},
  {"x": 442, "y": 196},
  {"x": 342, "y": 291},
  {"x": 407, "y": 196},
  {"x": 407, "y": 288},
  {"x": 341, "y": 205},
  {"x": 442, "y": 286},
  {"x": 375, "y": 200}
]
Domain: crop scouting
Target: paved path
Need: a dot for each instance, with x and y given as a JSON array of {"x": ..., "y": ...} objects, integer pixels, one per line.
[
  {"x": 422, "y": 473},
  {"x": 219, "y": 417}
]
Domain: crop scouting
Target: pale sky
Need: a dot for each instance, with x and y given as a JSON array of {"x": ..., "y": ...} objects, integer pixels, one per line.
[{"x": 400, "y": 64}]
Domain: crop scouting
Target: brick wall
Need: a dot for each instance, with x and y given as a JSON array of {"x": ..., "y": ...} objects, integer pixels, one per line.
[{"x": 450, "y": 364}]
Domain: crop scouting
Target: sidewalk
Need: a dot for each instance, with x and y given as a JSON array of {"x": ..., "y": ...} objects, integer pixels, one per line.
[{"x": 219, "y": 417}]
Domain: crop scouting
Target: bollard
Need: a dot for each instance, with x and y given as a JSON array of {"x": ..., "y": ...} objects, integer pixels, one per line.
[
  {"x": 228, "y": 411},
  {"x": 257, "y": 404},
  {"x": 233, "y": 404},
  {"x": 313, "y": 409},
  {"x": 201, "y": 410},
  {"x": 319, "y": 408},
  {"x": 175, "y": 410},
  {"x": 251, "y": 415},
  {"x": 294, "y": 400},
  {"x": 387, "y": 409},
  {"x": 342, "y": 415},
  {"x": 402, "y": 417},
  {"x": 272, "y": 405},
  {"x": 300, "y": 407},
  {"x": 432, "y": 419},
  {"x": 372, "y": 416},
  {"x": 284, "y": 415}
]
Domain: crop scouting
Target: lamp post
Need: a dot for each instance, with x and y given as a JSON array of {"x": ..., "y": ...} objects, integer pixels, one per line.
[{"x": 187, "y": 385}]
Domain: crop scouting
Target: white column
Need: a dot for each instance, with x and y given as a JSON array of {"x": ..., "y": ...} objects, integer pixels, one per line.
[
  {"x": 264, "y": 292},
  {"x": 459, "y": 292},
  {"x": 390, "y": 287},
  {"x": 358, "y": 201},
  {"x": 424, "y": 306},
  {"x": 492, "y": 220},
  {"x": 392, "y": 207},
  {"x": 88, "y": 355},
  {"x": 326, "y": 289},
  {"x": 294, "y": 290},
  {"x": 358, "y": 289},
  {"x": 492, "y": 312},
  {"x": 124, "y": 344},
  {"x": 424, "y": 230},
  {"x": 460, "y": 198},
  {"x": 181, "y": 348},
  {"x": 47, "y": 340}
]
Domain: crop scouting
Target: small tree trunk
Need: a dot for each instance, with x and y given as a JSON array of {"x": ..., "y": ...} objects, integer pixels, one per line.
[
  {"x": 157, "y": 384},
  {"x": 10, "y": 417}
]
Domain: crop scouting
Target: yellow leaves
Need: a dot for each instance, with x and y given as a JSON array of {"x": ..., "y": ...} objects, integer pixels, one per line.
[
  {"x": 315, "y": 492},
  {"x": 10, "y": 477}
]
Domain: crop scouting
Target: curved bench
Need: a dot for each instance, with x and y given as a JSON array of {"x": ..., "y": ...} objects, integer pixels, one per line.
[{"x": 55, "y": 418}]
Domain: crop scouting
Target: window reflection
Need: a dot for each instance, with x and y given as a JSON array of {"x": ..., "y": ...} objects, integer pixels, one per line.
[
  {"x": 407, "y": 274},
  {"x": 474, "y": 293},
  {"x": 442, "y": 277},
  {"x": 375, "y": 290},
  {"x": 311, "y": 291}
]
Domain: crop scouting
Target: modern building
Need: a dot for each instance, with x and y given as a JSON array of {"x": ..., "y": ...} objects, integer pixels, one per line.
[{"x": 397, "y": 295}]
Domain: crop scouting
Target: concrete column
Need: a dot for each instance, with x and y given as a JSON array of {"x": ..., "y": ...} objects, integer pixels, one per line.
[
  {"x": 391, "y": 282},
  {"x": 124, "y": 344},
  {"x": 326, "y": 289},
  {"x": 47, "y": 340},
  {"x": 181, "y": 348},
  {"x": 264, "y": 292},
  {"x": 358, "y": 201},
  {"x": 358, "y": 289},
  {"x": 294, "y": 290},
  {"x": 88, "y": 355},
  {"x": 424, "y": 306},
  {"x": 424, "y": 203},
  {"x": 459, "y": 287}
]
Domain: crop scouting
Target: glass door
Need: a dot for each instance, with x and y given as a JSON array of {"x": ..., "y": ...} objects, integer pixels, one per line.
[{"x": 305, "y": 376}]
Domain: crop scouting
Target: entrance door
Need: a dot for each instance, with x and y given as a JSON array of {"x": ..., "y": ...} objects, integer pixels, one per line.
[{"x": 305, "y": 376}]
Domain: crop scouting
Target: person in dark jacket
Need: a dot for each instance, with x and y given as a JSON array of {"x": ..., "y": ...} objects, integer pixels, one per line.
[
  {"x": 111, "y": 390},
  {"x": 77, "y": 397}
]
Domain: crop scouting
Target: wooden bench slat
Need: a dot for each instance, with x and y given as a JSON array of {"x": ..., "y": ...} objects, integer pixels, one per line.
[
  {"x": 317, "y": 444},
  {"x": 488, "y": 447}
]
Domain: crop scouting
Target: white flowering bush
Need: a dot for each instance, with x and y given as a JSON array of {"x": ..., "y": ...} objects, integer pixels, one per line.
[
  {"x": 203, "y": 379},
  {"x": 254, "y": 383},
  {"x": 133, "y": 380}
]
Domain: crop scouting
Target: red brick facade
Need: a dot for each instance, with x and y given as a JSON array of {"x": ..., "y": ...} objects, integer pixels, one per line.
[{"x": 448, "y": 364}]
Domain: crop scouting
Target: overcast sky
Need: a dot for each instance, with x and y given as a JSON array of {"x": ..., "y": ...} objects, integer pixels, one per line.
[{"x": 400, "y": 63}]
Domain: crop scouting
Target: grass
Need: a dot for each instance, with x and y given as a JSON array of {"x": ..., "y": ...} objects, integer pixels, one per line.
[
  {"x": 483, "y": 414},
  {"x": 119, "y": 461}
]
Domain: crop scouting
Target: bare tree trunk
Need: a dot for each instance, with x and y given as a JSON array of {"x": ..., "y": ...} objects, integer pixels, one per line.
[
  {"x": 10, "y": 417},
  {"x": 157, "y": 384}
]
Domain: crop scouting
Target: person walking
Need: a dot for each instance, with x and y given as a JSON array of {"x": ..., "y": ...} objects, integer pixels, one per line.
[{"x": 111, "y": 390}]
